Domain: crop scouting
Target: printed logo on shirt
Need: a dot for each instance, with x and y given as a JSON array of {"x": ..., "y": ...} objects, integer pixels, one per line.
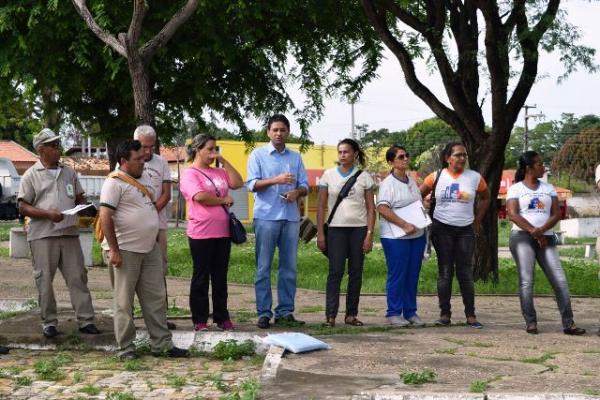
[
  {"x": 536, "y": 204},
  {"x": 452, "y": 193}
]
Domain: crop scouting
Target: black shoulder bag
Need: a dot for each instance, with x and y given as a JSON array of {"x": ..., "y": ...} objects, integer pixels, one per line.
[
  {"x": 237, "y": 232},
  {"x": 432, "y": 198},
  {"x": 344, "y": 192}
]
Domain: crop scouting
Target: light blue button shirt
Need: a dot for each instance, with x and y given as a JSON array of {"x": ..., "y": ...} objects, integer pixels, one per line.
[{"x": 266, "y": 162}]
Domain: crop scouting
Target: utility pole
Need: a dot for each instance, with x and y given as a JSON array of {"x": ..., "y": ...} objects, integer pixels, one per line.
[
  {"x": 526, "y": 117},
  {"x": 352, "y": 130}
]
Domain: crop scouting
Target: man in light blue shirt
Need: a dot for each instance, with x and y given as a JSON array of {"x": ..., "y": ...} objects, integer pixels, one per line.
[{"x": 278, "y": 179}]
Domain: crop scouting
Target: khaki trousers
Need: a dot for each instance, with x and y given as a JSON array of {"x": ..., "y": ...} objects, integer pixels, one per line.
[
  {"x": 162, "y": 243},
  {"x": 141, "y": 274},
  {"x": 63, "y": 253}
]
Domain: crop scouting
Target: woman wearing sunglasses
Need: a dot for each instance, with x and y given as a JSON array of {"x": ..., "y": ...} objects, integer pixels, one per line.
[
  {"x": 403, "y": 248},
  {"x": 456, "y": 221}
]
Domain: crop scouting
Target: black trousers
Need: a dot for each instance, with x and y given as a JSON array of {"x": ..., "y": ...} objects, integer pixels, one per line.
[
  {"x": 454, "y": 246},
  {"x": 344, "y": 244},
  {"x": 211, "y": 261}
]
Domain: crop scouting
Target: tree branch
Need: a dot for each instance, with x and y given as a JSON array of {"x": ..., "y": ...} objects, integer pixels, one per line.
[
  {"x": 135, "y": 26},
  {"x": 167, "y": 32},
  {"x": 403, "y": 16},
  {"x": 380, "y": 25},
  {"x": 106, "y": 37}
]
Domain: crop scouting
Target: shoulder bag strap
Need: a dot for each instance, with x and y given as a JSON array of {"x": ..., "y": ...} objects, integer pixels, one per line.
[
  {"x": 343, "y": 194},
  {"x": 217, "y": 192},
  {"x": 132, "y": 181},
  {"x": 437, "y": 178}
]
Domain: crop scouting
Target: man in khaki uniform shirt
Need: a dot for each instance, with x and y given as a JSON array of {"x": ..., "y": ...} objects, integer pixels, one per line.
[
  {"x": 47, "y": 188},
  {"x": 130, "y": 224},
  {"x": 159, "y": 175}
]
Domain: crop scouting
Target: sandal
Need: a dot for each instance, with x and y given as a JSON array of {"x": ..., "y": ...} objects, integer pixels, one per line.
[
  {"x": 330, "y": 323},
  {"x": 352, "y": 320},
  {"x": 532, "y": 329}
]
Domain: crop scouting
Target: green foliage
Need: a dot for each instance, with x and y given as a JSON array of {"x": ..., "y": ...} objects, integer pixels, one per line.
[
  {"x": 78, "y": 377},
  {"x": 22, "y": 381},
  {"x": 417, "y": 378},
  {"x": 119, "y": 396},
  {"x": 48, "y": 368},
  {"x": 90, "y": 390},
  {"x": 134, "y": 365},
  {"x": 579, "y": 155},
  {"x": 478, "y": 386},
  {"x": 248, "y": 389},
  {"x": 233, "y": 350},
  {"x": 176, "y": 381}
]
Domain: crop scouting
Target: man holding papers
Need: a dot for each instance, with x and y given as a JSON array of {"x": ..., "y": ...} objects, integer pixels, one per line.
[
  {"x": 402, "y": 237},
  {"x": 47, "y": 189}
]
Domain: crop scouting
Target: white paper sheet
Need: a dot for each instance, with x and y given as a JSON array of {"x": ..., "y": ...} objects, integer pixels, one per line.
[
  {"x": 68, "y": 221},
  {"x": 415, "y": 214},
  {"x": 76, "y": 209}
]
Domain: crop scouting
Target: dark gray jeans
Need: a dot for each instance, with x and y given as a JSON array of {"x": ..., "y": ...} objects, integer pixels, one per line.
[
  {"x": 342, "y": 244},
  {"x": 525, "y": 250}
]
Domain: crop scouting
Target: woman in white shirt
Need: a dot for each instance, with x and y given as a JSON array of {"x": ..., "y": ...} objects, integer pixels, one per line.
[
  {"x": 403, "y": 248},
  {"x": 350, "y": 233},
  {"x": 532, "y": 206}
]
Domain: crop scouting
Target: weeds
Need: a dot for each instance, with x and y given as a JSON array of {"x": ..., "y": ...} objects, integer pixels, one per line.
[
  {"x": 417, "y": 378},
  {"x": 232, "y": 350},
  {"x": 248, "y": 389},
  {"x": 243, "y": 316},
  {"x": 478, "y": 386},
  {"x": 77, "y": 377},
  {"x": 134, "y": 365},
  {"x": 217, "y": 381},
  {"x": 451, "y": 351},
  {"x": 312, "y": 309},
  {"x": 48, "y": 369},
  {"x": 176, "y": 381},
  {"x": 119, "y": 396},
  {"x": 592, "y": 392},
  {"x": 90, "y": 390},
  {"x": 22, "y": 381}
]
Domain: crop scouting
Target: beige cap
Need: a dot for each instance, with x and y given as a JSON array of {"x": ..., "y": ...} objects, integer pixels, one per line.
[{"x": 44, "y": 136}]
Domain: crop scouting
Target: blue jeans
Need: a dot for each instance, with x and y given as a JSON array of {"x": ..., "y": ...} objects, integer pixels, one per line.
[
  {"x": 282, "y": 234},
  {"x": 403, "y": 258}
]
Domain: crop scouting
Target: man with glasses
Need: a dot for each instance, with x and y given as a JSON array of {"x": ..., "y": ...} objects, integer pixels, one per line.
[
  {"x": 157, "y": 170},
  {"x": 47, "y": 188}
]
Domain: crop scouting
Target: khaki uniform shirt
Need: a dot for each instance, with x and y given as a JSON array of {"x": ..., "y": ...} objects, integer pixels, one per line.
[
  {"x": 158, "y": 173},
  {"x": 42, "y": 189},
  {"x": 135, "y": 218}
]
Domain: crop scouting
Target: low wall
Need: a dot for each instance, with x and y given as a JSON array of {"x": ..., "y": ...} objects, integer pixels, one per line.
[
  {"x": 580, "y": 227},
  {"x": 581, "y": 206}
]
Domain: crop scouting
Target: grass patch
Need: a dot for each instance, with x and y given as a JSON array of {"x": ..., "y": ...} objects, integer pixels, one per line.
[
  {"x": 5, "y": 230},
  {"x": 243, "y": 316},
  {"x": 417, "y": 378},
  {"x": 176, "y": 381},
  {"x": 90, "y": 390},
  {"x": 47, "y": 369},
  {"x": 248, "y": 389},
  {"x": 478, "y": 386},
  {"x": 233, "y": 350},
  {"x": 582, "y": 275},
  {"x": 78, "y": 377},
  {"x": 4, "y": 252},
  {"x": 119, "y": 396},
  {"x": 312, "y": 309},
  {"x": 592, "y": 392},
  {"x": 574, "y": 252},
  {"x": 22, "y": 381},
  {"x": 538, "y": 360},
  {"x": 218, "y": 383},
  {"x": 451, "y": 351},
  {"x": 468, "y": 343},
  {"x": 321, "y": 330},
  {"x": 134, "y": 365}
]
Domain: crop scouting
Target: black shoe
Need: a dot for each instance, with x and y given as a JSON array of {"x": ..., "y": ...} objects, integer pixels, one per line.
[
  {"x": 3, "y": 350},
  {"x": 171, "y": 326},
  {"x": 573, "y": 330},
  {"x": 50, "y": 331},
  {"x": 130, "y": 355},
  {"x": 289, "y": 321},
  {"x": 173, "y": 352},
  {"x": 90, "y": 330},
  {"x": 263, "y": 323}
]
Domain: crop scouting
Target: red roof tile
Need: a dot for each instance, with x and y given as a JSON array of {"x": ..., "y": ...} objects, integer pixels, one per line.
[
  {"x": 15, "y": 152},
  {"x": 170, "y": 153}
]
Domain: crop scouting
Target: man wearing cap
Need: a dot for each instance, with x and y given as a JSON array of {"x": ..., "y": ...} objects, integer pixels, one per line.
[
  {"x": 47, "y": 188},
  {"x": 159, "y": 175}
]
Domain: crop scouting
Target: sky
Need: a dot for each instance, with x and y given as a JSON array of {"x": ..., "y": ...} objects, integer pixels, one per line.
[{"x": 388, "y": 103}]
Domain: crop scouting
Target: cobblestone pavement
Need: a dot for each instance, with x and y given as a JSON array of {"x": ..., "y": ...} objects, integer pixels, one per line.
[{"x": 29, "y": 374}]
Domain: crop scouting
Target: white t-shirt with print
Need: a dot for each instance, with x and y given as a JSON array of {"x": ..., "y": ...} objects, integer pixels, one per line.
[
  {"x": 352, "y": 211},
  {"x": 598, "y": 174},
  {"x": 396, "y": 194},
  {"x": 455, "y": 196},
  {"x": 535, "y": 205}
]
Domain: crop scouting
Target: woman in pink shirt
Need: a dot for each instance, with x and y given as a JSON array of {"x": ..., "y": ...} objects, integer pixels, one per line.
[{"x": 205, "y": 189}]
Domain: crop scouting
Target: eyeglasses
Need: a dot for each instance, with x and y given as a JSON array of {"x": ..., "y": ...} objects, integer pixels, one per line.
[
  {"x": 460, "y": 155},
  {"x": 402, "y": 156}
]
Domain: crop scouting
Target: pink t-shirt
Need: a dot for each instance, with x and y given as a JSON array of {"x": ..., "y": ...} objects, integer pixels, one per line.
[{"x": 205, "y": 222}]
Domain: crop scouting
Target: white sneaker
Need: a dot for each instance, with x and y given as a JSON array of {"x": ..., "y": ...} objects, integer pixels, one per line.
[
  {"x": 397, "y": 320},
  {"x": 416, "y": 321}
]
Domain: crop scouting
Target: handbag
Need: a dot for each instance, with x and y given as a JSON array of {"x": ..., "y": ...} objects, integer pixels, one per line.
[
  {"x": 432, "y": 200},
  {"x": 237, "y": 232},
  {"x": 344, "y": 192}
]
